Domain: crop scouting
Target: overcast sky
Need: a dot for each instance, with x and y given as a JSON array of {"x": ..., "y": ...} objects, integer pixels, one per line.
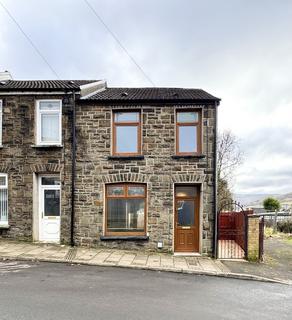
[{"x": 238, "y": 50}]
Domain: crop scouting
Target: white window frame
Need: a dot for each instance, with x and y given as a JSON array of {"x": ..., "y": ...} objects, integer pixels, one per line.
[
  {"x": 5, "y": 187},
  {"x": 1, "y": 121},
  {"x": 48, "y": 112}
]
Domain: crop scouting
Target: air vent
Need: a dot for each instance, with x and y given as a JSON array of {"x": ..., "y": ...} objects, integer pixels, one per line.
[
  {"x": 2, "y": 83},
  {"x": 71, "y": 82},
  {"x": 124, "y": 94},
  {"x": 175, "y": 95}
]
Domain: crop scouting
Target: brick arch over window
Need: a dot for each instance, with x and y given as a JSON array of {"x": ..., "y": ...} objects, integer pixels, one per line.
[
  {"x": 5, "y": 168},
  {"x": 126, "y": 177},
  {"x": 46, "y": 168},
  {"x": 183, "y": 178}
]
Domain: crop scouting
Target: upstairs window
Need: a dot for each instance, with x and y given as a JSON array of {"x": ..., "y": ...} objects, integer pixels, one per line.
[
  {"x": 3, "y": 199},
  {"x": 126, "y": 133},
  {"x": 1, "y": 107},
  {"x": 125, "y": 209},
  {"x": 49, "y": 122},
  {"x": 188, "y": 132}
]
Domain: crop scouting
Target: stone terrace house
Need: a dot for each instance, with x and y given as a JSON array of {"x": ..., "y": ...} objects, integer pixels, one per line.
[{"x": 86, "y": 164}]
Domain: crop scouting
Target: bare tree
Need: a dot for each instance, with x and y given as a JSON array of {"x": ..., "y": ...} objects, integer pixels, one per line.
[{"x": 229, "y": 157}]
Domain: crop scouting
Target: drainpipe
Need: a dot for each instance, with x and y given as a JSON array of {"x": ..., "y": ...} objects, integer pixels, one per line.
[
  {"x": 215, "y": 226},
  {"x": 73, "y": 173}
]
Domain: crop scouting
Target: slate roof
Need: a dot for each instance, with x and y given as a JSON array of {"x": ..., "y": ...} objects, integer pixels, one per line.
[
  {"x": 152, "y": 94},
  {"x": 52, "y": 85}
]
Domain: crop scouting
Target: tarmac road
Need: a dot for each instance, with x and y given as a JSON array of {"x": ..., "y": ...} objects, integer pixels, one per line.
[{"x": 62, "y": 291}]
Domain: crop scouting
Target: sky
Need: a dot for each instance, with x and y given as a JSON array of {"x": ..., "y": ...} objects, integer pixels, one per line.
[{"x": 238, "y": 50}]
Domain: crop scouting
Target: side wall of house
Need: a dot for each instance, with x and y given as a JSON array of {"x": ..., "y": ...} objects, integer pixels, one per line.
[
  {"x": 159, "y": 170},
  {"x": 21, "y": 160}
]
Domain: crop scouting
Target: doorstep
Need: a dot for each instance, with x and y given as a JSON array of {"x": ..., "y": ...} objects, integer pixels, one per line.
[{"x": 187, "y": 254}]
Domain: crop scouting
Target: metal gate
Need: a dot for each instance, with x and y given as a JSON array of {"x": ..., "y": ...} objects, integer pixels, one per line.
[{"x": 232, "y": 232}]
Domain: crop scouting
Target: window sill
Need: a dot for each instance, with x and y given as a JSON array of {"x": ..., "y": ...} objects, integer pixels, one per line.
[
  {"x": 4, "y": 226},
  {"x": 125, "y": 157},
  {"x": 124, "y": 238},
  {"x": 46, "y": 146},
  {"x": 197, "y": 156}
]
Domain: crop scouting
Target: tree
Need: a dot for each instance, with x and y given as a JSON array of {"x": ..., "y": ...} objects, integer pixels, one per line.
[
  {"x": 229, "y": 157},
  {"x": 271, "y": 204},
  {"x": 224, "y": 194}
]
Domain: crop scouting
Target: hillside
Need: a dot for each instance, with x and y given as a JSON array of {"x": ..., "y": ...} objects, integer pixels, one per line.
[{"x": 253, "y": 199}]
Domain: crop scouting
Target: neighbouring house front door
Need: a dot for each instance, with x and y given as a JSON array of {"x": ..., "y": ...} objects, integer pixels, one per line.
[
  {"x": 186, "y": 224},
  {"x": 49, "y": 209}
]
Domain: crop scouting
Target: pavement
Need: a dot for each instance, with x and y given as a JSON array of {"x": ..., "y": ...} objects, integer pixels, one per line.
[
  {"x": 47, "y": 291},
  {"x": 24, "y": 251}
]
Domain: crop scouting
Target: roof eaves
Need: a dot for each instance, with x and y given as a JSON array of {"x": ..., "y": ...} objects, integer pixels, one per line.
[{"x": 150, "y": 101}]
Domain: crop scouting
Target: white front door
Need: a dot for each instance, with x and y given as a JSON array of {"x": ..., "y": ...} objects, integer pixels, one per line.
[{"x": 49, "y": 209}]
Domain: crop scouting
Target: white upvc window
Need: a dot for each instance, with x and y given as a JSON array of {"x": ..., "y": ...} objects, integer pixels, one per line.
[
  {"x": 49, "y": 122},
  {"x": 3, "y": 199},
  {"x": 1, "y": 111}
]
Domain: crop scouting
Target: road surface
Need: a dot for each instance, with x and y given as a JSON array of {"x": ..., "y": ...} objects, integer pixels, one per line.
[{"x": 62, "y": 291}]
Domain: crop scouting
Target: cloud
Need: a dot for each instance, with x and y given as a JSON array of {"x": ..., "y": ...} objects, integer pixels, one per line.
[{"x": 238, "y": 50}]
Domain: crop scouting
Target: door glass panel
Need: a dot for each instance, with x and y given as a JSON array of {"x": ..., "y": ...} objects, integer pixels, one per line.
[
  {"x": 127, "y": 139},
  {"x": 185, "y": 213},
  {"x": 50, "y": 181},
  {"x": 187, "y": 139},
  {"x": 52, "y": 203},
  {"x": 186, "y": 191}
]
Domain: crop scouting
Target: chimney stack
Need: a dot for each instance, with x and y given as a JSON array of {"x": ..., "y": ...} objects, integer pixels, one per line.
[{"x": 6, "y": 75}]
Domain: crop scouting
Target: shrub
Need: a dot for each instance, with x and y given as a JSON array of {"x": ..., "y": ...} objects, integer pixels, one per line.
[{"x": 285, "y": 226}]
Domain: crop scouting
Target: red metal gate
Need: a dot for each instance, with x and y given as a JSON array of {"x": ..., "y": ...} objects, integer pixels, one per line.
[{"x": 232, "y": 232}]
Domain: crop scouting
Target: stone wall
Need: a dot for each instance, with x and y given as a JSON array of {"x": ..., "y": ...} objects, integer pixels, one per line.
[
  {"x": 21, "y": 160},
  {"x": 158, "y": 169}
]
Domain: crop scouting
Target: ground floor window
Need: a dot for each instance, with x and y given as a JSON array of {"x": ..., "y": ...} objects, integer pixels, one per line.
[
  {"x": 125, "y": 209},
  {"x": 3, "y": 199}
]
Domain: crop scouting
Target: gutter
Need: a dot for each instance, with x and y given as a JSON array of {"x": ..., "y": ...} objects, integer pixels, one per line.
[
  {"x": 73, "y": 173},
  {"x": 215, "y": 226},
  {"x": 124, "y": 102}
]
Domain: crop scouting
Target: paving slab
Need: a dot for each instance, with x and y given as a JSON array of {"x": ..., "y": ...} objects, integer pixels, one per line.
[
  {"x": 101, "y": 256},
  {"x": 154, "y": 260},
  {"x": 123, "y": 258},
  {"x": 140, "y": 260},
  {"x": 127, "y": 259}
]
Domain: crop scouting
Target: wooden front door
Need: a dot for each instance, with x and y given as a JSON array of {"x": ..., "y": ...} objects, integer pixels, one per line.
[{"x": 186, "y": 224}]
